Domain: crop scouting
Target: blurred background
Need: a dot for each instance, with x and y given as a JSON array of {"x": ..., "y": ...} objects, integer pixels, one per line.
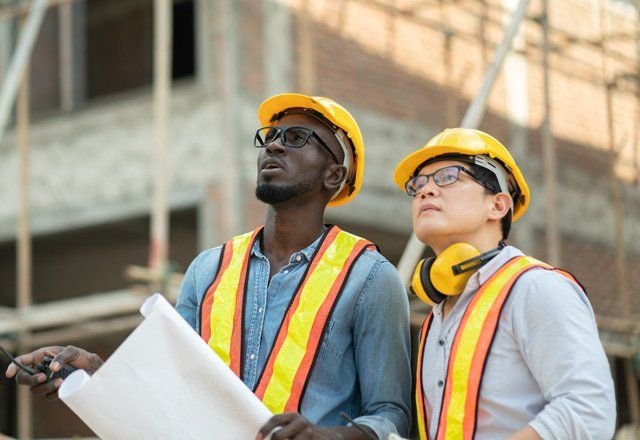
[{"x": 126, "y": 147}]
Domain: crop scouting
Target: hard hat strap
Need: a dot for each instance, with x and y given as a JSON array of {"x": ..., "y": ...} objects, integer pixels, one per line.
[{"x": 498, "y": 170}]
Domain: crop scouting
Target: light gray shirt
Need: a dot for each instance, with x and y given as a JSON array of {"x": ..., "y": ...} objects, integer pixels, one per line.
[{"x": 546, "y": 367}]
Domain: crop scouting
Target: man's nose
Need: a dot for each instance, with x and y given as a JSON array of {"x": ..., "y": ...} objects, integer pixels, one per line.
[
  {"x": 275, "y": 147},
  {"x": 429, "y": 189}
]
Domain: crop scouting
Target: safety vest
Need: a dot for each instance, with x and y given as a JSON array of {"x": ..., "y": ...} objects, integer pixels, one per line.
[
  {"x": 283, "y": 381},
  {"x": 471, "y": 346}
]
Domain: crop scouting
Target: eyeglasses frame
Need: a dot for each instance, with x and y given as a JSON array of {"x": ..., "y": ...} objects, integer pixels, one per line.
[
  {"x": 280, "y": 135},
  {"x": 429, "y": 176}
]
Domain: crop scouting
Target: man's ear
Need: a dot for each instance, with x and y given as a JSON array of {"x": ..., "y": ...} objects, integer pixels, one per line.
[
  {"x": 334, "y": 176},
  {"x": 501, "y": 203}
]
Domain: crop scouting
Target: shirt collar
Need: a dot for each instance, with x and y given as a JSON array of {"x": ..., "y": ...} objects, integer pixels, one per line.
[
  {"x": 307, "y": 252},
  {"x": 485, "y": 272}
]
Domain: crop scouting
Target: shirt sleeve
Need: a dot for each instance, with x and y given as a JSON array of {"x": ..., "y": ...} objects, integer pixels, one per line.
[
  {"x": 558, "y": 338},
  {"x": 382, "y": 350},
  {"x": 190, "y": 294}
]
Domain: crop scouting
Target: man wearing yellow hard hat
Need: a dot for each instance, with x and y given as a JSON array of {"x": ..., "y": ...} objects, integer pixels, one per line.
[
  {"x": 312, "y": 318},
  {"x": 510, "y": 348}
]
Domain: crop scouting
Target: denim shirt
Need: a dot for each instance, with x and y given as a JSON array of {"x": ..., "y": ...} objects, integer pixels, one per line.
[{"x": 363, "y": 366}]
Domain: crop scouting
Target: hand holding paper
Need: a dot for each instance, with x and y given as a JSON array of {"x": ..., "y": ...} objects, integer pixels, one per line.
[{"x": 164, "y": 382}]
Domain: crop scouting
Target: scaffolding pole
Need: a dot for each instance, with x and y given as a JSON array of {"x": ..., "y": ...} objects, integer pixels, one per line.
[
  {"x": 549, "y": 152},
  {"x": 306, "y": 54},
  {"x": 23, "y": 257},
  {"x": 233, "y": 183},
  {"x": 472, "y": 119},
  {"x": 451, "y": 99},
  {"x": 19, "y": 62},
  {"x": 66, "y": 65},
  {"x": 159, "y": 246}
]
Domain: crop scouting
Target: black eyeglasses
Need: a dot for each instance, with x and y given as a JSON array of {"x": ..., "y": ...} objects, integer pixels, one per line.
[
  {"x": 291, "y": 137},
  {"x": 442, "y": 177}
]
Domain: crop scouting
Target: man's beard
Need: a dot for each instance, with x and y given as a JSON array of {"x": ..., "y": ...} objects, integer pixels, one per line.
[{"x": 272, "y": 193}]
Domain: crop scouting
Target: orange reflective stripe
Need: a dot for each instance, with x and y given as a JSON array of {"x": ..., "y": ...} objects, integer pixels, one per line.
[
  {"x": 284, "y": 378},
  {"x": 421, "y": 412},
  {"x": 227, "y": 302},
  {"x": 207, "y": 299}
]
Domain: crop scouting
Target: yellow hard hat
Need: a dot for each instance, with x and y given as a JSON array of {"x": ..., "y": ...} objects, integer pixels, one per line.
[
  {"x": 271, "y": 109},
  {"x": 469, "y": 142}
]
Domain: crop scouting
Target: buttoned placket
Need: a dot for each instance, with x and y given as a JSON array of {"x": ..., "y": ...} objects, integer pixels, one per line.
[{"x": 265, "y": 291}]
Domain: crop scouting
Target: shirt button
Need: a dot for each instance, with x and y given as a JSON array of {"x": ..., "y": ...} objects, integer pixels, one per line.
[
  {"x": 286, "y": 271},
  {"x": 298, "y": 258},
  {"x": 252, "y": 357},
  {"x": 260, "y": 310},
  {"x": 441, "y": 342},
  {"x": 440, "y": 382}
]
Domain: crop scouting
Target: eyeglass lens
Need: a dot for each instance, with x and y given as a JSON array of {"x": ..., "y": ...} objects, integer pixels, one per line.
[
  {"x": 293, "y": 137},
  {"x": 442, "y": 177}
]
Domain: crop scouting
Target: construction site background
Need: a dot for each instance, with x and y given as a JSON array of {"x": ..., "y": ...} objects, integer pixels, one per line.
[{"x": 405, "y": 68}]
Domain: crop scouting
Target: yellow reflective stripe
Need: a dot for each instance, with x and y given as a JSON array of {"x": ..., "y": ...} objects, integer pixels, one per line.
[
  {"x": 466, "y": 348},
  {"x": 314, "y": 292},
  {"x": 421, "y": 424},
  {"x": 224, "y": 300}
]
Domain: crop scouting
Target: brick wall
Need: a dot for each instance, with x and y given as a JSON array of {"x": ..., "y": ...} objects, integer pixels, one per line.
[{"x": 377, "y": 55}]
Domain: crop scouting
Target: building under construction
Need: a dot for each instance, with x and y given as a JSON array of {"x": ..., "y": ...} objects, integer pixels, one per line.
[{"x": 126, "y": 147}]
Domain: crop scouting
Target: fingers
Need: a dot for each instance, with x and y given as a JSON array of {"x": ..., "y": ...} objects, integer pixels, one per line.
[
  {"x": 47, "y": 388},
  {"x": 31, "y": 360},
  {"x": 76, "y": 357},
  {"x": 292, "y": 426},
  {"x": 29, "y": 380},
  {"x": 69, "y": 355},
  {"x": 54, "y": 394},
  {"x": 275, "y": 422},
  {"x": 294, "y": 429}
]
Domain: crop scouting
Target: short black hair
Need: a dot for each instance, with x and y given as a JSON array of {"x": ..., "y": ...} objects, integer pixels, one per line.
[{"x": 493, "y": 187}]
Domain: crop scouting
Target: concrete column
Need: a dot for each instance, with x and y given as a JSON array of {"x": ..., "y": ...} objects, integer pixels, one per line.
[
  {"x": 205, "y": 34},
  {"x": 209, "y": 218},
  {"x": 66, "y": 55},
  {"x": 277, "y": 53},
  {"x": 72, "y": 48},
  {"x": 517, "y": 109}
]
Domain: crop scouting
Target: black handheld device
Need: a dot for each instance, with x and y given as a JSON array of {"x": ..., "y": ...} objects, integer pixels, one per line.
[{"x": 42, "y": 367}]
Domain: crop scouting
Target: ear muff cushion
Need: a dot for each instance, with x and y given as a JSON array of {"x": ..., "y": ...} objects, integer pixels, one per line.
[
  {"x": 416, "y": 285},
  {"x": 441, "y": 275},
  {"x": 421, "y": 283}
]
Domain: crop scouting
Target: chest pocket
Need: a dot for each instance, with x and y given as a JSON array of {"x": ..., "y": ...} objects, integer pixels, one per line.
[{"x": 329, "y": 342}]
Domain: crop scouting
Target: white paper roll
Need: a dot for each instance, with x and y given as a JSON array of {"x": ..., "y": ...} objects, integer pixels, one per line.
[{"x": 164, "y": 382}]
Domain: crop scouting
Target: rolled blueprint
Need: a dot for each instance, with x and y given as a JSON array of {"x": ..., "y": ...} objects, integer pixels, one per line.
[{"x": 164, "y": 382}]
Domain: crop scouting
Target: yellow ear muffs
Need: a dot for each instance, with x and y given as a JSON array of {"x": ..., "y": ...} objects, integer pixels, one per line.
[
  {"x": 442, "y": 274},
  {"x": 436, "y": 278}
]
